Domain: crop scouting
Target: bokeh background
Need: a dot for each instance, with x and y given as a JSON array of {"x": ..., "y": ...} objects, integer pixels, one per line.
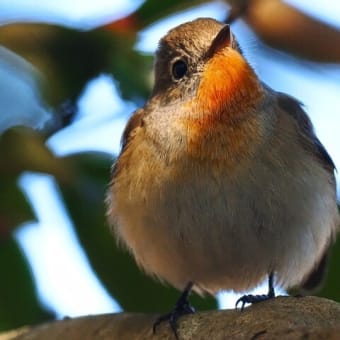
[{"x": 71, "y": 73}]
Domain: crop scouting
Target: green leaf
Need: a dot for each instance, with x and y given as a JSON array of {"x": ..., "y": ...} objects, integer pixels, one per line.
[
  {"x": 14, "y": 208},
  {"x": 131, "y": 69},
  {"x": 23, "y": 149},
  {"x": 153, "y": 10},
  {"x": 19, "y": 304},
  {"x": 331, "y": 286},
  {"x": 133, "y": 290},
  {"x": 66, "y": 57},
  {"x": 69, "y": 58}
]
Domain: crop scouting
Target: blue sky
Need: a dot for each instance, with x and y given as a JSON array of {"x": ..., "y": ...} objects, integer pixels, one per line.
[{"x": 61, "y": 271}]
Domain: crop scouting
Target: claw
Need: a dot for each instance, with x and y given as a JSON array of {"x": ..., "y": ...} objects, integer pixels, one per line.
[
  {"x": 258, "y": 298},
  {"x": 182, "y": 307},
  {"x": 252, "y": 299}
]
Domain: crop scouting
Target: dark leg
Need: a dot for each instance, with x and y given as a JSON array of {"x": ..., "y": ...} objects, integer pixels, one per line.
[
  {"x": 258, "y": 298},
  {"x": 182, "y": 307}
]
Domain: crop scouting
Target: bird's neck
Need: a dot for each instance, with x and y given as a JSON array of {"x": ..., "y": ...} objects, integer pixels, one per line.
[
  {"x": 223, "y": 122},
  {"x": 229, "y": 87}
]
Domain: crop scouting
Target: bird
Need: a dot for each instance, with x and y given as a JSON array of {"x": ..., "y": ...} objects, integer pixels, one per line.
[{"x": 221, "y": 181}]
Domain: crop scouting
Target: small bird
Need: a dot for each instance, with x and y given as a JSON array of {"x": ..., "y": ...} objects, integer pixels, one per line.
[{"x": 221, "y": 181}]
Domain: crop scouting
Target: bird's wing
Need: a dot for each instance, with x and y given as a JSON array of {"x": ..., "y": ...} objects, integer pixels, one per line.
[
  {"x": 295, "y": 110},
  {"x": 313, "y": 145},
  {"x": 135, "y": 121}
]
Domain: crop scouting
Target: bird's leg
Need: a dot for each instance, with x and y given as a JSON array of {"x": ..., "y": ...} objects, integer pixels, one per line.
[
  {"x": 258, "y": 298},
  {"x": 182, "y": 307}
]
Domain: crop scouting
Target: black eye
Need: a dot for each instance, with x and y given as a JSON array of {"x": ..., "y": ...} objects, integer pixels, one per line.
[{"x": 179, "y": 69}]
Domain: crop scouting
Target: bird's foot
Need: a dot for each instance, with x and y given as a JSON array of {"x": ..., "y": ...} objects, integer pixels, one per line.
[
  {"x": 182, "y": 307},
  {"x": 258, "y": 298},
  {"x": 253, "y": 299}
]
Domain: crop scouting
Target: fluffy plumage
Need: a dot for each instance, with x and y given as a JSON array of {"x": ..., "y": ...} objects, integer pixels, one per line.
[{"x": 221, "y": 180}]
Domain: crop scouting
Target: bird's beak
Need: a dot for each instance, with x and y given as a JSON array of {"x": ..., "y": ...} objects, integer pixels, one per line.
[{"x": 223, "y": 39}]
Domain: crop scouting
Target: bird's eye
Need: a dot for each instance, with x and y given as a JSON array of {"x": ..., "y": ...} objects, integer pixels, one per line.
[{"x": 179, "y": 69}]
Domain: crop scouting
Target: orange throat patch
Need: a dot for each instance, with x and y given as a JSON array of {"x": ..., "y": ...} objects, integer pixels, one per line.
[
  {"x": 229, "y": 86},
  {"x": 222, "y": 122}
]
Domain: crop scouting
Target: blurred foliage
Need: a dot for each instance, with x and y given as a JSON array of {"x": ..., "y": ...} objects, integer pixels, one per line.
[
  {"x": 151, "y": 11},
  {"x": 12, "y": 197},
  {"x": 24, "y": 149},
  {"x": 68, "y": 59},
  {"x": 19, "y": 303},
  {"x": 330, "y": 288}
]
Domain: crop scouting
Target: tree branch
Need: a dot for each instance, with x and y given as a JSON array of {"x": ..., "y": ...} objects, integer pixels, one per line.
[
  {"x": 286, "y": 28},
  {"x": 280, "y": 318}
]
